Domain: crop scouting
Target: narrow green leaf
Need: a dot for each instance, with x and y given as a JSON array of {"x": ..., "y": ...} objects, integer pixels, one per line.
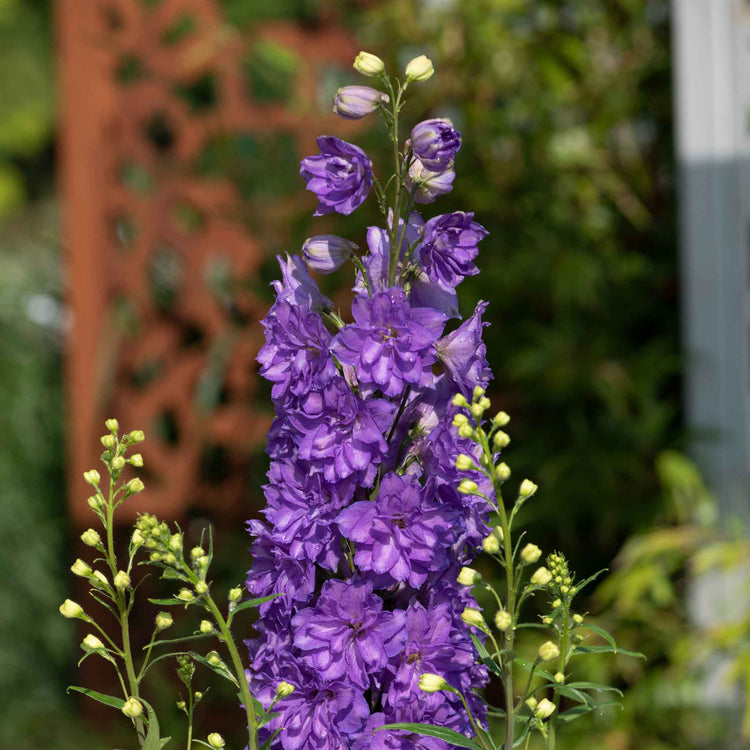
[
  {"x": 527, "y": 666},
  {"x": 267, "y": 744},
  {"x": 574, "y": 694},
  {"x": 170, "y": 601},
  {"x": 225, "y": 673},
  {"x": 266, "y": 718},
  {"x": 590, "y": 579},
  {"x": 573, "y": 713},
  {"x": 152, "y": 741},
  {"x": 579, "y": 650},
  {"x": 254, "y": 602},
  {"x": 184, "y": 638},
  {"x": 594, "y": 686},
  {"x": 442, "y": 733},
  {"x": 108, "y": 700},
  {"x": 601, "y": 632},
  {"x": 484, "y": 655}
]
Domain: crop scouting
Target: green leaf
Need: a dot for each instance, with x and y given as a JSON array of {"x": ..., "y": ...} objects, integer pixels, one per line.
[
  {"x": 181, "y": 639},
  {"x": 267, "y": 744},
  {"x": 528, "y": 666},
  {"x": 152, "y": 741},
  {"x": 590, "y": 579},
  {"x": 108, "y": 700},
  {"x": 266, "y": 718},
  {"x": 484, "y": 655},
  {"x": 254, "y": 602},
  {"x": 579, "y": 650},
  {"x": 594, "y": 686},
  {"x": 442, "y": 733},
  {"x": 222, "y": 672},
  {"x": 573, "y": 713},
  {"x": 601, "y": 632},
  {"x": 170, "y": 601},
  {"x": 574, "y": 694}
]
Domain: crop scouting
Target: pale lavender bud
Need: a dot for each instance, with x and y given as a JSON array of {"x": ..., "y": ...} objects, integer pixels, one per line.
[
  {"x": 326, "y": 253},
  {"x": 429, "y": 185},
  {"x": 356, "y": 102}
]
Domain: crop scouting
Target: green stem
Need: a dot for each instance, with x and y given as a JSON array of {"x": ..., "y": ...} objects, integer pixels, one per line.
[
  {"x": 562, "y": 663},
  {"x": 239, "y": 671}
]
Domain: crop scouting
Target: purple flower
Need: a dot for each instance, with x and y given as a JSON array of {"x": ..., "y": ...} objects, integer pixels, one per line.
[
  {"x": 325, "y": 253},
  {"x": 435, "y": 143},
  {"x": 355, "y": 102},
  {"x": 464, "y": 355},
  {"x": 390, "y": 343},
  {"x": 400, "y": 535},
  {"x": 341, "y": 176},
  {"x": 347, "y": 634},
  {"x": 340, "y": 434},
  {"x": 295, "y": 357},
  {"x": 275, "y": 571},
  {"x": 449, "y": 247},
  {"x": 430, "y": 185},
  {"x": 297, "y": 286}
]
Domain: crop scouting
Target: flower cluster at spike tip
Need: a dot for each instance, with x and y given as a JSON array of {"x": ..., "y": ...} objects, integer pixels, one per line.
[{"x": 365, "y": 528}]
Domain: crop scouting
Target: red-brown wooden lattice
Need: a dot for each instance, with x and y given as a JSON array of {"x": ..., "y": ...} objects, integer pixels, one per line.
[{"x": 153, "y": 243}]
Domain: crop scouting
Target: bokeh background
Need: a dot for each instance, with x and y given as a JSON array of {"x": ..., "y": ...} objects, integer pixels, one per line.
[{"x": 149, "y": 157}]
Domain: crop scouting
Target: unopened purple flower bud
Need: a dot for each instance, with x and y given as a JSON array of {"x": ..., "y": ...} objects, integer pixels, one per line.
[
  {"x": 326, "y": 253},
  {"x": 430, "y": 185},
  {"x": 435, "y": 143},
  {"x": 355, "y": 102}
]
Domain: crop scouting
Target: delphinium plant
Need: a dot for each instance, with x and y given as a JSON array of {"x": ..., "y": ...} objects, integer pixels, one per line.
[
  {"x": 113, "y": 589},
  {"x": 385, "y": 477}
]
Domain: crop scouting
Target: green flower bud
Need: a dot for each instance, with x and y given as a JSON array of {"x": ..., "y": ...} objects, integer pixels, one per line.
[
  {"x": 368, "y": 64},
  {"x": 284, "y": 689},
  {"x": 91, "y": 643},
  {"x": 137, "y": 539},
  {"x": 170, "y": 559},
  {"x": 541, "y": 577},
  {"x": 137, "y": 436},
  {"x": 121, "y": 580},
  {"x": 71, "y": 609},
  {"x": 548, "y": 651},
  {"x": 469, "y": 576},
  {"x": 432, "y": 683},
  {"x": 491, "y": 544},
  {"x": 527, "y": 489},
  {"x": 80, "y": 568},
  {"x": 466, "y": 431},
  {"x": 118, "y": 463},
  {"x": 112, "y": 425},
  {"x": 101, "y": 578},
  {"x": 544, "y": 709},
  {"x": 202, "y": 562},
  {"x": 467, "y": 487},
  {"x": 460, "y": 400},
  {"x": 464, "y": 462},
  {"x": 500, "y": 419},
  {"x": 484, "y": 402},
  {"x": 136, "y": 460},
  {"x": 134, "y": 486},
  {"x": 108, "y": 441},
  {"x": 473, "y": 617},
  {"x": 132, "y": 708},
  {"x": 559, "y": 678},
  {"x": 547, "y": 620},
  {"x": 476, "y": 411},
  {"x": 163, "y": 621},
  {"x": 214, "y": 659},
  {"x": 460, "y": 419},
  {"x": 530, "y": 554},
  {"x": 198, "y": 695},
  {"x": 235, "y": 595},
  {"x": 91, "y": 538},
  {"x": 197, "y": 552},
  {"x": 95, "y": 502},
  {"x": 503, "y": 620},
  {"x": 503, "y": 472},
  {"x": 577, "y": 619},
  {"x": 215, "y": 740},
  {"x": 181, "y": 705},
  {"x": 201, "y": 587},
  {"x": 478, "y": 392},
  {"x": 557, "y": 603},
  {"x": 206, "y": 627},
  {"x": 185, "y": 595},
  {"x": 92, "y": 477},
  {"x": 501, "y": 439},
  {"x": 175, "y": 542},
  {"x": 531, "y": 703}
]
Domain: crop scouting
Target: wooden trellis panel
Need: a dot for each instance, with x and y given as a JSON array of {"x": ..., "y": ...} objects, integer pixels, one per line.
[{"x": 164, "y": 249}]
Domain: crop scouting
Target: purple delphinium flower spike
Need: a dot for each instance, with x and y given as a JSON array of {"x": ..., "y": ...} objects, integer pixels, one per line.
[
  {"x": 390, "y": 343},
  {"x": 341, "y": 176}
]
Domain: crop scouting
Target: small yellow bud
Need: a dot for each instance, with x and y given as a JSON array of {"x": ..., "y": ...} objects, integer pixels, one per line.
[
  {"x": 559, "y": 678},
  {"x": 137, "y": 539},
  {"x": 121, "y": 580},
  {"x": 464, "y": 462},
  {"x": 501, "y": 439},
  {"x": 527, "y": 489},
  {"x": 491, "y": 544},
  {"x": 432, "y": 683},
  {"x": 136, "y": 460},
  {"x": 92, "y": 477},
  {"x": 564, "y": 589},
  {"x": 132, "y": 708},
  {"x": 545, "y": 709},
  {"x": 175, "y": 542},
  {"x": 118, "y": 463},
  {"x": 469, "y": 576},
  {"x": 112, "y": 425},
  {"x": 460, "y": 419},
  {"x": 170, "y": 559},
  {"x": 181, "y": 705},
  {"x": 186, "y": 595},
  {"x": 531, "y": 703},
  {"x": 368, "y": 64},
  {"x": 197, "y": 552},
  {"x": 108, "y": 441},
  {"x": 530, "y": 554},
  {"x": 467, "y": 487},
  {"x": 134, "y": 486},
  {"x": 503, "y": 620},
  {"x": 215, "y": 740},
  {"x": 577, "y": 619},
  {"x": 503, "y": 472},
  {"x": 235, "y": 595},
  {"x": 466, "y": 431},
  {"x": 478, "y": 392},
  {"x": 101, "y": 578},
  {"x": 484, "y": 402},
  {"x": 95, "y": 502},
  {"x": 198, "y": 695},
  {"x": 476, "y": 411},
  {"x": 541, "y": 577},
  {"x": 206, "y": 627},
  {"x": 284, "y": 689},
  {"x": 201, "y": 587},
  {"x": 500, "y": 419},
  {"x": 473, "y": 617},
  {"x": 548, "y": 651},
  {"x": 71, "y": 609},
  {"x": 213, "y": 659},
  {"x": 137, "y": 436},
  {"x": 163, "y": 621},
  {"x": 460, "y": 400},
  {"x": 91, "y": 538},
  {"x": 547, "y": 620},
  {"x": 80, "y": 568},
  {"x": 91, "y": 643},
  {"x": 557, "y": 603}
]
